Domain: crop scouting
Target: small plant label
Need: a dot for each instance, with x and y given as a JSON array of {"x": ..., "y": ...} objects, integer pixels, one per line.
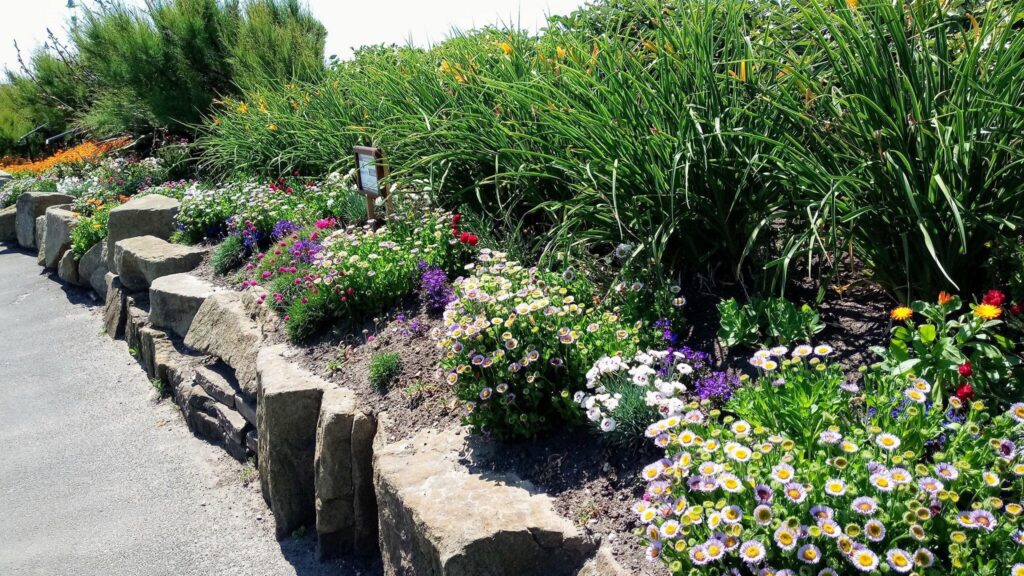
[{"x": 370, "y": 171}]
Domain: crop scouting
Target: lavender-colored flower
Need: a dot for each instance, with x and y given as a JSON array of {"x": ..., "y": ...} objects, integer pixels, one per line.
[
  {"x": 435, "y": 288},
  {"x": 305, "y": 250},
  {"x": 716, "y": 385},
  {"x": 283, "y": 228}
]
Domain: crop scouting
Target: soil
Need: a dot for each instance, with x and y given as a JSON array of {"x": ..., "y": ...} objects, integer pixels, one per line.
[{"x": 593, "y": 485}]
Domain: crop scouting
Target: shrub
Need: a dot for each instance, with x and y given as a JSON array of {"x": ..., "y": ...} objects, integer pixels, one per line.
[
  {"x": 229, "y": 255},
  {"x": 384, "y": 369},
  {"x": 89, "y": 231},
  {"x": 517, "y": 342},
  {"x": 766, "y": 322}
]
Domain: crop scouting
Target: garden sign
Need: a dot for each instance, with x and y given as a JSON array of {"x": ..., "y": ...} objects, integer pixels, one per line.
[{"x": 371, "y": 170}]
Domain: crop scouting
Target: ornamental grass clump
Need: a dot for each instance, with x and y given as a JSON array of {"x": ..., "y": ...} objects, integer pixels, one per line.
[
  {"x": 879, "y": 490},
  {"x": 517, "y": 343}
]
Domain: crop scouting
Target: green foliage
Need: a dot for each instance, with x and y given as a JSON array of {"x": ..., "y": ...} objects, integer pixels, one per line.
[
  {"x": 277, "y": 40},
  {"x": 939, "y": 340},
  {"x": 89, "y": 231},
  {"x": 384, "y": 369},
  {"x": 766, "y": 322},
  {"x": 229, "y": 255}
]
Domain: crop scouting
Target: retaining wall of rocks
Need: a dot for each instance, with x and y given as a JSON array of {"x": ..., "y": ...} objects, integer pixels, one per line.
[{"x": 323, "y": 460}]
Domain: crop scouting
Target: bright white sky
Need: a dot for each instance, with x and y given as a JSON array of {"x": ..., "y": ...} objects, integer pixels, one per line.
[{"x": 350, "y": 23}]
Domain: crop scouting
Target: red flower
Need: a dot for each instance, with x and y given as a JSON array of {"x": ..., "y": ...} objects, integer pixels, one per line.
[
  {"x": 1016, "y": 309},
  {"x": 965, "y": 392},
  {"x": 464, "y": 237},
  {"x": 966, "y": 370},
  {"x": 472, "y": 240},
  {"x": 994, "y": 298}
]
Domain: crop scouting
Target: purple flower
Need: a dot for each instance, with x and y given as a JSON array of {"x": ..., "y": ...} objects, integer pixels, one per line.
[
  {"x": 283, "y": 228},
  {"x": 305, "y": 250},
  {"x": 435, "y": 289},
  {"x": 716, "y": 385}
]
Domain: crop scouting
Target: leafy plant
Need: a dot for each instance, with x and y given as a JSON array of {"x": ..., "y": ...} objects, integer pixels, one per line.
[
  {"x": 384, "y": 369},
  {"x": 229, "y": 255},
  {"x": 766, "y": 322},
  {"x": 961, "y": 353}
]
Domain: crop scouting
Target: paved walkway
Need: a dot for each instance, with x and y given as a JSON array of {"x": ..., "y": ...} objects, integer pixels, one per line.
[{"x": 99, "y": 478}]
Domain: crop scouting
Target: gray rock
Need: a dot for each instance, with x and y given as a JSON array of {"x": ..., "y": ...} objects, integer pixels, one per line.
[
  {"x": 252, "y": 440},
  {"x": 59, "y": 223},
  {"x": 67, "y": 269},
  {"x": 93, "y": 264},
  {"x": 115, "y": 310},
  {"x": 286, "y": 413},
  {"x": 136, "y": 319},
  {"x": 150, "y": 215},
  {"x": 231, "y": 423},
  {"x": 8, "y": 224},
  {"x": 222, "y": 328},
  {"x": 216, "y": 384},
  {"x": 41, "y": 239},
  {"x": 603, "y": 564},
  {"x": 246, "y": 407},
  {"x": 346, "y": 508},
  {"x": 175, "y": 299},
  {"x": 30, "y": 206},
  {"x": 439, "y": 518},
  {"x": 142, "y": 259}
]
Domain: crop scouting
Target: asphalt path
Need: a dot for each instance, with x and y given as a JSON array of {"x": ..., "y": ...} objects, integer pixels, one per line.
[{"x": 98, "y": 476}]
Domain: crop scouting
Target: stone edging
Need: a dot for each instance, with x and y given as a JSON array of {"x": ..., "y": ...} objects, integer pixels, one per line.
[{"x": 323, "y": 460}]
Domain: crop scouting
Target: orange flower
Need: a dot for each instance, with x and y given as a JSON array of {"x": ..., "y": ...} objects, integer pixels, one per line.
[
  {"x": 506, "y": 48},
  {"x": 987, "y": 311},
  {"x": 945, "y": 298},
  {"x": 80, "y": 153},
  {"x": 901, "y": 313}
]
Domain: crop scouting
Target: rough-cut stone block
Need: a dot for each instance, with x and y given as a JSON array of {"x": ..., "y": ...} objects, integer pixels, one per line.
[
  {"x": 150, "y": 215},
  {"x": 286, "y": 413},
  {"x": 59, "y": 222},
  {"x": 246, "y": 407},
  {"x": 231, "y": 424},
  {"x": 175, "y": 299},
  {"x": 151, "y": 340},
  {"x": 92, "y": 268},
  {"x": 222, "y": 328},
  {"x": 218, "y": 382},
  {"x": 252, "y": 441},
  {"x": 135, "y": 319},
  {"x": 115, "y": 310},
  {"x": 437, "y": 518},
  {"x": 603, "y": 564},
  {"x": 30, "y": 206},
  {"x": 346, "y": 508},
  {"x": 67, "y": 269},
  {"x": 8, "y": 224},
  {"x": 41, "y": 239},
  {"x": 142, "y": 259}
]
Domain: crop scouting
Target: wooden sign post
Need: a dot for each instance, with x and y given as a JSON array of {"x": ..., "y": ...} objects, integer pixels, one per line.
[{"x": 371, "y": 170}]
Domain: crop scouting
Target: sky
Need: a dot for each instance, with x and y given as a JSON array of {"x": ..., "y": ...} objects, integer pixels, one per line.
[{"x": 350, "y": 23}]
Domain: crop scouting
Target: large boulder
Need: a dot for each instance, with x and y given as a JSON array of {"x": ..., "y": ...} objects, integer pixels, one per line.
[
  {"x": 8, "y": 224},
  {"x": 30, "y": 206},
  {"x": 287, "y": 409},
  {"x": 41, "y": 239},
  {"x": 346, "y": 508},
  {"x": 59, "y": 222},
  {"x": 224, "y": 329},
  {"x": 67, "y": 269},
  {"x": 92, "y": 268},
  {"x": 437, "y": 517},
  {"x": 151, "y": 215},
  {"x": 142, "y": 259},
  {"x": 174, "y": 300}
]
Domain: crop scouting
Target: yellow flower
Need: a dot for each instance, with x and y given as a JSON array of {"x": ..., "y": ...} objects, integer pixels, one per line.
[
  {"x": 560, "y": 52},
  {"x": 506, "y": 48},
  {"x": 901, "y": 313},
  {"x": 243, "y": 108},
  {"x": 96, "y": 226},
  {"x": 987, "y": 311},
  {"x": 272, "y": 127}
]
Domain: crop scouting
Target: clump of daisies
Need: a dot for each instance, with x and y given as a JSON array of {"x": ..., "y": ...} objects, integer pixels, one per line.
[
  {"x": 735, "y": 494},
  {"x": 624, "y": 396}
]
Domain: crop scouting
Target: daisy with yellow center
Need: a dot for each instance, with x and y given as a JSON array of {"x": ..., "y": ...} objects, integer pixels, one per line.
[{"x": 987, "y": 311}]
